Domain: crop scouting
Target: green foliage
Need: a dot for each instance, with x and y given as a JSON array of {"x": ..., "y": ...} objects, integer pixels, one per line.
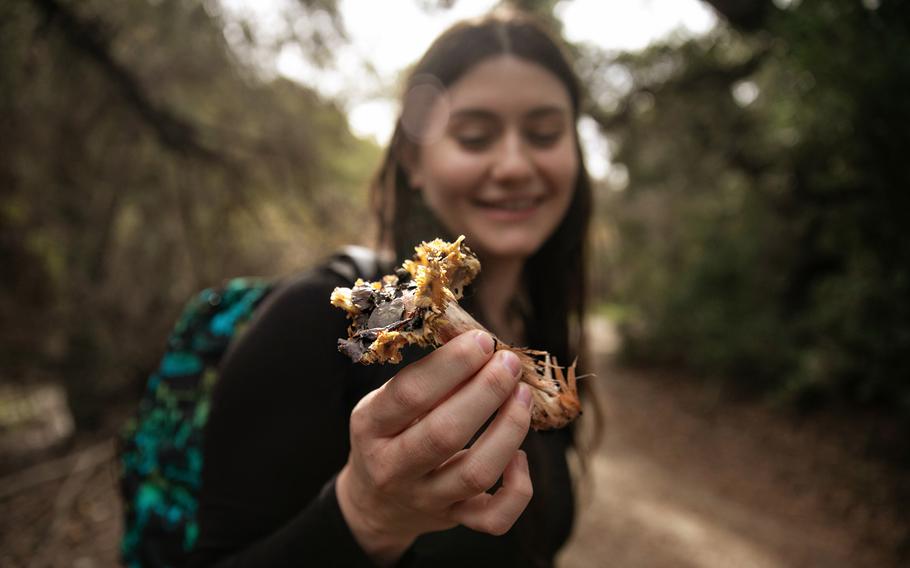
[
  {"x": 763, "y": 240},
  {"x": 142, "y": 159}
]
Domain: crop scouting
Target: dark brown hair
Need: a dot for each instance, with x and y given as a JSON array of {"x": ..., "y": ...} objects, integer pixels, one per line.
[{"x": 555, "y": 274}]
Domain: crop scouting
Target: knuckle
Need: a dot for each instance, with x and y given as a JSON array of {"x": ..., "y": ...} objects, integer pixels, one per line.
[
  {"x": 518, "y": 418},
  {"x": 499, "y": 381},
  {"x": 477, "y": 477},
  {"x": 360, "y": 421},
  {"x": 405, "y": 393},
  {"x": 498, "y": 523},
  {"x": 466, "y": 356},
  {"x": 442, "y": 437},
  {"x": 524, "y": 490}
]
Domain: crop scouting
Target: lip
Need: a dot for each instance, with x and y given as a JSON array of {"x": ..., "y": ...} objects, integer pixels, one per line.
[{"x": 505, "y": 210}]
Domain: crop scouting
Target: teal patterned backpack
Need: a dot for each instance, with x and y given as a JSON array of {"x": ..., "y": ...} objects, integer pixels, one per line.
[{"x": 161, "y": 447}]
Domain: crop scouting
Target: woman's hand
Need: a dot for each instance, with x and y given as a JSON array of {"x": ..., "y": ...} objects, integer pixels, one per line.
[{"x": 408, "y": 472}]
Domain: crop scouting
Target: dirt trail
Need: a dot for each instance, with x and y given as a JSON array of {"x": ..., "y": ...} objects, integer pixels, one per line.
[
  {"x": 684, "y": 478},
  {"x": 687, "y": 478}
]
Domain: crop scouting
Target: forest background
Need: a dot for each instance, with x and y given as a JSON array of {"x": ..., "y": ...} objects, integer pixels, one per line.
[{"x": 752, "y": 233}]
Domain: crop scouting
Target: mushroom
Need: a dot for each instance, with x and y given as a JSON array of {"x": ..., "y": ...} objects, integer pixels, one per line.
[{"x": 419, "y": 305}]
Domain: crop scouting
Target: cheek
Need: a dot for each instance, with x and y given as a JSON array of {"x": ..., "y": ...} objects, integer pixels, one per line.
[
  {"x": 452, "y": 178},
  {"x": 560, "y": 168}
]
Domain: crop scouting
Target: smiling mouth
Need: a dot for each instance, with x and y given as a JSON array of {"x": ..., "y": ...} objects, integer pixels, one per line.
[{"x": 523, "y": 204}]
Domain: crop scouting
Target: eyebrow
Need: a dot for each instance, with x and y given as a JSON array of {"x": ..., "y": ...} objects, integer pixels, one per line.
[
  {"x": 543, "y": 112},
  {"x": 483, "y": 114}
]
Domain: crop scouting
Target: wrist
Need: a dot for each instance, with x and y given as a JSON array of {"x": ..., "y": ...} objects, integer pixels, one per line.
[{"x": 382, "y": 545}]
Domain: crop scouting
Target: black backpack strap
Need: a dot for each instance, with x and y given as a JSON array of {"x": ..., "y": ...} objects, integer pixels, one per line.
[{"x": 353, "y": 262}]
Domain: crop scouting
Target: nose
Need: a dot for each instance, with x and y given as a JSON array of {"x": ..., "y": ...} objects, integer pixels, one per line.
[{"x": 512, "y": 163}]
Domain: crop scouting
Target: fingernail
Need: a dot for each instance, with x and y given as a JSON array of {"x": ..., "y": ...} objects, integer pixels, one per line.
[
  {"x": 485, "y": 342},
  {"x": 510, "y": 360},
  {"x": 523, "y": 394}
]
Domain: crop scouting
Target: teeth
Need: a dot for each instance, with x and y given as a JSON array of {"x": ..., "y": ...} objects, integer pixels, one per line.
[{"x": 515, "y": 205}]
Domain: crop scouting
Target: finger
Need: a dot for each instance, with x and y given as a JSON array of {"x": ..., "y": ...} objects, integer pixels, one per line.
[
  {"x": 444, "y": 431},
  {"x": 478, "y": 469},
  {"x": 495, "y": 514},
  {"x": 420, "y": 386}
]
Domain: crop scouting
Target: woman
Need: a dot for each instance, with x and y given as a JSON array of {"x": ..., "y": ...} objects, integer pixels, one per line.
[{"x": 310, "y": 460}]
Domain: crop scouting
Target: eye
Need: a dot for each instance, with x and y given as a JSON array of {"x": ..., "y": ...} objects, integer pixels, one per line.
[
  {"x": 543, "y": 138},
  {"x": 474, "y": 141},
  {"x": 474, "y": 131}
]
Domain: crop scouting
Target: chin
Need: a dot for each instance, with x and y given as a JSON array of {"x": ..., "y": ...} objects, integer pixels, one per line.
[{"x": 506, "y": 248}]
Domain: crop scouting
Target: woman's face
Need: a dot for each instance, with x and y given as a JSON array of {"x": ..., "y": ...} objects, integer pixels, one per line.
[{"x": 502, "y": 164}]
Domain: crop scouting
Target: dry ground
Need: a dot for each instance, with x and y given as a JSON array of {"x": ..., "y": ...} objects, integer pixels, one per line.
[
  {"x": 685, "y": 480},
  {"x": 687, "y": 477},
  {"x": 684, "y": 477}
]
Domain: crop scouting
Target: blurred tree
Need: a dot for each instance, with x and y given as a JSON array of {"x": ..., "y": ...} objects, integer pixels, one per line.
[
  {"x": 762, "y": 228},
  {"x": 745, "y": 15},
  {"x": 142, "y": 158}
]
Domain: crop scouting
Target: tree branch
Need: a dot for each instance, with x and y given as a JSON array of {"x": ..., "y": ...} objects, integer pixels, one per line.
[
  {"x": 744, "y": 15},
  {"x": 173, "y": 131},
  {"x": 687, "y": 79}
]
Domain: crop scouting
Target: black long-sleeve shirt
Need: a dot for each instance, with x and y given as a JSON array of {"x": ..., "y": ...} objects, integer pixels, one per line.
[{"x": 277, "y": 435}]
